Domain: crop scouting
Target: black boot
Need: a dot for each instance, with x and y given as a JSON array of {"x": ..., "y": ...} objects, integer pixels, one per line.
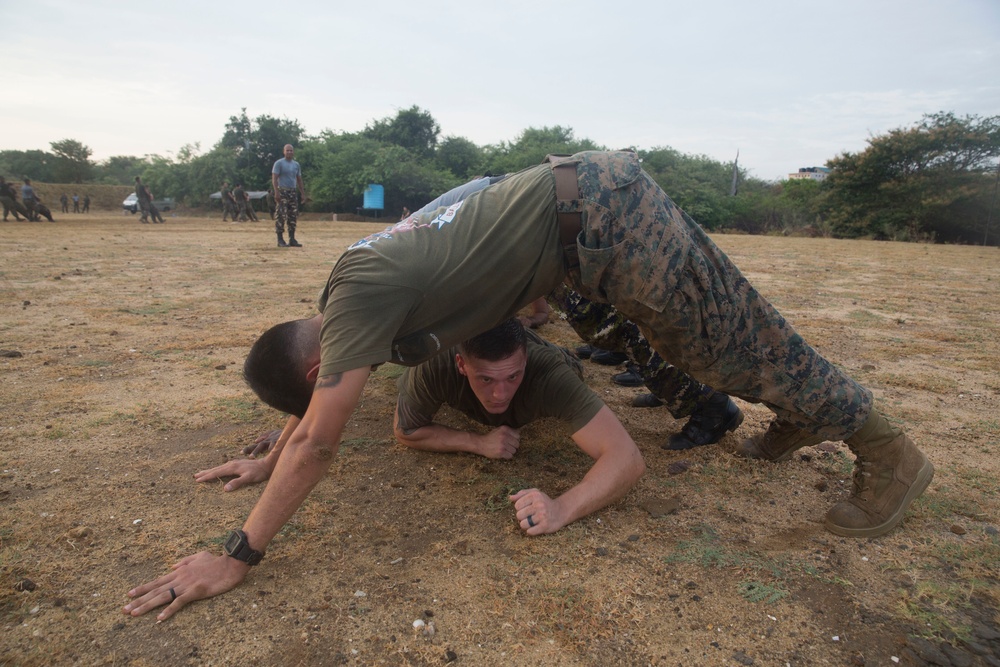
[
  {"x": 281, "y": 240},
  {"x": 292, "y": 242},
  {"x": 630, "y": 378},
  {"x": 646, "y": 401},
  {"x": 608, "y": 358},
  {"x": 711, "y": 420}
]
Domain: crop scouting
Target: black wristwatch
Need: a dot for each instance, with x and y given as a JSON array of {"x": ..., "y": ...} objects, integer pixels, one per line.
[{"x": 238, "y": 547}]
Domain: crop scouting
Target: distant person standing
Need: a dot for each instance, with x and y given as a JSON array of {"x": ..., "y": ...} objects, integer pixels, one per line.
[
  {"x": 143, "y": 199},
  {"x": 240, "y": 197},
  {"x": 228, "y": 204},
  {"x": 249, "y": 206},
  {"x": 154, "y": 212},
  {"x": 64, "y": 200},
  {"x": 29, "y": 200},
  {"x": 76, "y": 203},
  {"x": 286, "y": 178},
  {"x": 86, "y": 203}
]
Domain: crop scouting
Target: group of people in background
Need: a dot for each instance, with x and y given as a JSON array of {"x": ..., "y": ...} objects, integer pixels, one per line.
[
  {"x": 147, "y": 209},
  {"x": 236, "y": 204},
  {"x": 64, "y": 200}
]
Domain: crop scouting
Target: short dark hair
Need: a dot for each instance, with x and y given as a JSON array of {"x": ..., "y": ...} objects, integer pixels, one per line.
[
  {"x": 498, "y": 343},
  {"x": 275, "y": 368}
]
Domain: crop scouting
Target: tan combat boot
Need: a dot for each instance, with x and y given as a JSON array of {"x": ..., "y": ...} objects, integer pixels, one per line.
[
  {"x": 889, "y": 474},
  {"x": 778, "y": 442}
]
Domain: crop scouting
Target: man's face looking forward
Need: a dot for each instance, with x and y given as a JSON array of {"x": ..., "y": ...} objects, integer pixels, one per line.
[
  {"x": 289, "y": 152},
  {"x": 494, "y": 382}
]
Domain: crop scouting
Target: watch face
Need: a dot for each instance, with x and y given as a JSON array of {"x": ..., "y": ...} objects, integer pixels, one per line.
[{"x": 232, "y": 543}]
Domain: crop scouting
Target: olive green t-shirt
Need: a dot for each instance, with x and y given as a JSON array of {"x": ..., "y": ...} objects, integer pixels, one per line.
[
  {"x": 431, "y": 281},
  {"x": 553, "y": 386}
]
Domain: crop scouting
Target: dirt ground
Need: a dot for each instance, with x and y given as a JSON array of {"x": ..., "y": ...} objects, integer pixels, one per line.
[{"x": 120, "y": 377}]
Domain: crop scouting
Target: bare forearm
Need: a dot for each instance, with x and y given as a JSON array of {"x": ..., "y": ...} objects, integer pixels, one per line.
[
  {"x": 299, "y": 470},
  {"x": 438, "y": 438},
  {"x": 608, "y": 480}
]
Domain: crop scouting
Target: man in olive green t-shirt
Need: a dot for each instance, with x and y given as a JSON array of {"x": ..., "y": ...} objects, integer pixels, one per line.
[{"x": 505, "y": 377}]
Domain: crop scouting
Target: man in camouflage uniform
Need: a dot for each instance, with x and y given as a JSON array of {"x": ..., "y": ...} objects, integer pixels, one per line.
[
  {"x": 286, "y": 179},
  {"x": 600, "y": 224},
  {"x": 249, "y": 207},
  {"x": 86, "y": 203},
  {"x": 144, "y": 201},
  {"x": 228, "y": 203},
  {"x": 64, "y": 201},
  {"x": 240, "y": 198},
  {"x": 8, "y": 197}
]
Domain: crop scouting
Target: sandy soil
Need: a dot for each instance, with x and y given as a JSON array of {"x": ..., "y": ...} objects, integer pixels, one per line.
[{"x": 121, "y": 377}]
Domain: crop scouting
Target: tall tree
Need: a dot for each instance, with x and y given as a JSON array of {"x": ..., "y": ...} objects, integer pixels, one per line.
[
  {"x": 928, "y": 181},
  {"x": 256, "y": 143},
  {"x": 72, "y": 163},
  {"x": 413, "y": 129},
  {"x": 531, "y": 147},
  {"x": 460, "y": 156}
]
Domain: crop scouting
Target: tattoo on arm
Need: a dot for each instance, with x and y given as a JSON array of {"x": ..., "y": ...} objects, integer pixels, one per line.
[{"x": 329, "y": 380}]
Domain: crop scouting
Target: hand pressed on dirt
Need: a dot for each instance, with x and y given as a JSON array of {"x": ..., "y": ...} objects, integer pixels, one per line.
[
  {"x": 197, "y": 577},
  {"x": 245, "y": 472}
]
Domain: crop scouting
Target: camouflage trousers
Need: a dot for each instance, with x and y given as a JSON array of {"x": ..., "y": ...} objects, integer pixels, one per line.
[
  {"x": 641, "y": 253},
  {"x": 228, "y": 210},
  {"x": 287, "y": 211},
  {"x": 602, "y": 326},
  {"x": 13, "y": 206}
]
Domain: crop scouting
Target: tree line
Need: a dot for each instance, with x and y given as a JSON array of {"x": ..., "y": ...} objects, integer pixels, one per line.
[{"x": 933, "y": 181}]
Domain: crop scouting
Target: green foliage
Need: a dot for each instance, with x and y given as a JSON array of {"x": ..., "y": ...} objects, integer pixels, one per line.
[
  {"x": 459, "y": 156},
  {"x": 34, "y": 164},
  {"x": 254, "y": 146},
  {"x": 531, "y": 147},
  {"x": 932, "y": 181},
  {"x": 701, "y": 187},
  {"x": 72, "y": 161},
  {"x": 120, "y": 170},
  {"x": 413, "y": 129}
]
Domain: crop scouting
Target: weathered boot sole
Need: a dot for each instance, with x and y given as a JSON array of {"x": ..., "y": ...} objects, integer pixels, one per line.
[{"x": 919, "y": 485}]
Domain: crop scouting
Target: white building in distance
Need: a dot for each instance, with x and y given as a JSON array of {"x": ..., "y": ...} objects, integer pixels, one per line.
[{"x": 814, "y": 173}]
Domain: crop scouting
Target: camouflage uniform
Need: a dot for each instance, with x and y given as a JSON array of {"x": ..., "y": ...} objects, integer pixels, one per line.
[
  {"x": 240, "y": 199},
  {"x": 8, "y": 197},
  {"x": 228, "y": 205},
  {"x": 64, "y": 200},
  {"x": 287, "y": 211},
  {"x": 142, "y": 198},
  {"x": 639, "y": 251},
  {"x": 604, "y": 327},
  {"x": 86, "y": 203}
]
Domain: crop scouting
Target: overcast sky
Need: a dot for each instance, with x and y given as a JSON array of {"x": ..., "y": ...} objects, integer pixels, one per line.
[{"x": 788, "y": 83}]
